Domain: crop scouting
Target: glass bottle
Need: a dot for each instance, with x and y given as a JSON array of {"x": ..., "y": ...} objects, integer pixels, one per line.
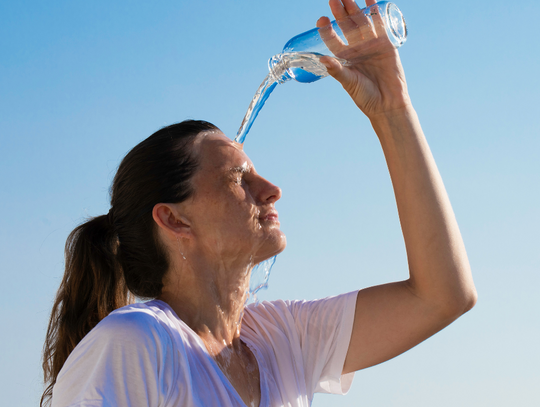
[{"x": 299, "y": 59}]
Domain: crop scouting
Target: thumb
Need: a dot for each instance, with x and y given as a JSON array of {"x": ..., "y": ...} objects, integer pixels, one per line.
[{"x": 336, "y": 70}]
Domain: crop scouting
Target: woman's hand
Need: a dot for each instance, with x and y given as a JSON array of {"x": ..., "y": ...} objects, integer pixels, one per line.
[{"x": 376, "y": 83}]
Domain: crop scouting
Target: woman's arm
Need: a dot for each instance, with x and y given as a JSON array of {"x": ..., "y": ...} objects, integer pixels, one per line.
[{"x": 392, "y": 318}]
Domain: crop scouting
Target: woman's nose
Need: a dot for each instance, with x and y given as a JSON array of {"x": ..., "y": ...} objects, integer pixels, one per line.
[{"x": 270, "y": 193}]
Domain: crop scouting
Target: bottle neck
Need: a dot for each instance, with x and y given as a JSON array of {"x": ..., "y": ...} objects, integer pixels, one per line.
[{"x": 279, "y": 69}]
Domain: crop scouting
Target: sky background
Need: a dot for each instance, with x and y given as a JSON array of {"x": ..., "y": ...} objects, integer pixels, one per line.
[{"x": 82, "y": 82}]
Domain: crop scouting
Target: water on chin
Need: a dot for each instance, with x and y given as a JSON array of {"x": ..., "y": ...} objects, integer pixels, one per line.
[{"x": 259, "y": 279}]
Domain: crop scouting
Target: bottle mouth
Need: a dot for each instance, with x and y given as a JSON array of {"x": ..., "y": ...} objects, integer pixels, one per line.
[
  {"x": 396, "y": 26},
  {"x": 278, "y": 69}
]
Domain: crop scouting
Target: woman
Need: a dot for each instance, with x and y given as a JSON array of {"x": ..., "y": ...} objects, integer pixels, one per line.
[{"x": 190, "y": 217}]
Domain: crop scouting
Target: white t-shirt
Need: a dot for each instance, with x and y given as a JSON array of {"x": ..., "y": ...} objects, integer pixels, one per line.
[{"x": 144, "y": 355}]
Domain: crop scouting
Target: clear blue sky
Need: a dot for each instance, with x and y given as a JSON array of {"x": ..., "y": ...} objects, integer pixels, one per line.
[{"x": 83, "y": 82}]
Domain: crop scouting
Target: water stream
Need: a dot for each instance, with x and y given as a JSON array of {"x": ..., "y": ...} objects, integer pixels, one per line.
[{"x": 303, "y": 67}]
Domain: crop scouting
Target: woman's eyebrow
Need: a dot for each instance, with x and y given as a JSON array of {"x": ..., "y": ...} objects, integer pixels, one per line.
[{"x": 241, "y": 168}]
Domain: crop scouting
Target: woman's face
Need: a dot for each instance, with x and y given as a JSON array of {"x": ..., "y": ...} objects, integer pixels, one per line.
[{"x": 231, "y": 212}]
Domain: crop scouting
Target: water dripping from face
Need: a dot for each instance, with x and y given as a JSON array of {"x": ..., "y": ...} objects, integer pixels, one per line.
[{"x": 259, "y": 278}]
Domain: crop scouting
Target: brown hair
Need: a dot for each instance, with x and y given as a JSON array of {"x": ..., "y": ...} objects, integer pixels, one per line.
[{"x": 110, "y": 257}]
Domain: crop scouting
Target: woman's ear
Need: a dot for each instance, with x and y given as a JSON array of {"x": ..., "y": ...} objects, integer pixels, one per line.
[{"x": 169, "y": 219}]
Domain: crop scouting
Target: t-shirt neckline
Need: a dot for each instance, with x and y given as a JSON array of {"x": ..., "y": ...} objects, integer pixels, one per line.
[{"x": 254, "y": 349}]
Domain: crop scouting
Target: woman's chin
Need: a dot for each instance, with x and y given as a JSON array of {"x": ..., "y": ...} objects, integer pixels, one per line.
[{"x": 273, "y": 246}]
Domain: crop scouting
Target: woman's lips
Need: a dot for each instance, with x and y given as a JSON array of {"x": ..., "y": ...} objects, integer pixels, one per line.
[{"x": 270, "y": 216}]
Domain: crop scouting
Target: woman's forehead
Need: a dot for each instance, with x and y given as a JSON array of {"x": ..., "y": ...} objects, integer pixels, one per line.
[{"x": 217, "y": 150}]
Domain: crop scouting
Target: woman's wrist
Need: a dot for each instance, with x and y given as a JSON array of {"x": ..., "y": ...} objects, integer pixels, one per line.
[
  {"x": 402, "y": 110},
  {"x": 394, "y": 121}
]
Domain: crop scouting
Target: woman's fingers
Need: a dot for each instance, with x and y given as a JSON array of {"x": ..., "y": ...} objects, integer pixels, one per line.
[
  {"x": 342, "y": 9},
  {"x": 364, "y": 34},
  {"x": 338, "y": 10},
  {"x": 364, "y": 24},
  {"x": 357, "y": 28},
  {"x": 351, "y": 7},
  {"x": 329, "y": 36},
  {"x": 378, "y": 23},
  {"x": 350, "y": 30}
]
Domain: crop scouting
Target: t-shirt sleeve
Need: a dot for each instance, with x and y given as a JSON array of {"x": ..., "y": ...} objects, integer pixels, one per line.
[
  {"x": 324, "y": 330},
  {"x": 121, "y": 362}
]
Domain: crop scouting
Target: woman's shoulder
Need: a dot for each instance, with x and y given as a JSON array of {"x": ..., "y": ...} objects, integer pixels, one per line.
[
  {"x": 299, "y": 319},
  {"x": 269, "y": 316},
  {"x": 285, "y": 310},
  {"x": 140, "y": 322},
  {"x": 133, "y": 340}
]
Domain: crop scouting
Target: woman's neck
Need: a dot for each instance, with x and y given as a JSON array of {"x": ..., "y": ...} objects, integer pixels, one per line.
[{"x": 210, "y": 299}]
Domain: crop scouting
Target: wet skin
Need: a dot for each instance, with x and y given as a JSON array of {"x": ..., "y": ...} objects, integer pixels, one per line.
[
  {"x": 233, "y": 207},
  {"x": 214, "y": 239}
]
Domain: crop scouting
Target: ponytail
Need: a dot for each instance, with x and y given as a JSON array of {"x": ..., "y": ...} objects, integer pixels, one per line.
[{"x": 92, "y": 287}]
